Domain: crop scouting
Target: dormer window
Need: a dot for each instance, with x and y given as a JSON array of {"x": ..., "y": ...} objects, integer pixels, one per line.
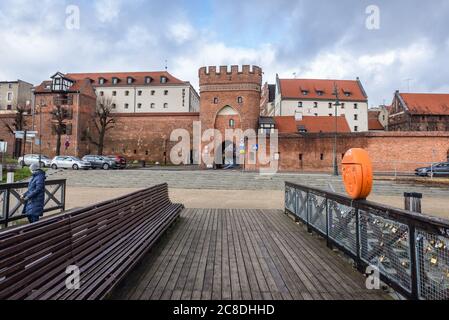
[
  {"x": 61, "y": 83},
  {"x": 101, "y": 81},
  {"x": 129, "y": 80},
  {"x": 305, "y": 92},
  {"x": 320, "y": 92},
  {"x": 163, "y": 79},
  {"x": 347, "y": 93},
  {"x": 114, "y": 80},
  {"x": 147, "y": 80}
]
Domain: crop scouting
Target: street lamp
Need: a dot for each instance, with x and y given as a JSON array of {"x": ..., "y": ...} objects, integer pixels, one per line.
[{"x": 337, "y": 104}]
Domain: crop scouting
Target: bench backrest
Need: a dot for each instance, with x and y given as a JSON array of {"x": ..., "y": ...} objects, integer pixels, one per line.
[{"x": 34, "y": 258}]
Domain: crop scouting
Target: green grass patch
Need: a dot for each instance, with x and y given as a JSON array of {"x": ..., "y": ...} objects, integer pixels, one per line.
[{"x": 19, "y": 175}]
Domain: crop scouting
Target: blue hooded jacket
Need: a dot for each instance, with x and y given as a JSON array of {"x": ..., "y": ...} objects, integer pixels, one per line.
[{"x": 35, "y": 194}]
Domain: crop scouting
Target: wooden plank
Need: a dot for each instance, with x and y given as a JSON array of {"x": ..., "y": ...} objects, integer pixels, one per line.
[
  {"x": 181, "y": 262},
  {"x": 187, "y": 291},
  {"x": 206, "y": 293},
  {"x": 153, "y": 289},
  {"x": 217, "y": 267},
  {"x": 183, "y": 276},
  {"x": 226, "y": 293}
]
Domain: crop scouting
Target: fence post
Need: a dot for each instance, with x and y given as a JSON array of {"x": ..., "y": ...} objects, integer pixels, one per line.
[
  {"x": 413, "y": 262},
  {"x": 412, "y": 201},
  {"x": 328, "y": 242},
  {"x": 6, "y": 207},
  {"x": 358, "y": 261},
  {"x": 308, "y": 212},
  {"x": 63, "y": 194}
]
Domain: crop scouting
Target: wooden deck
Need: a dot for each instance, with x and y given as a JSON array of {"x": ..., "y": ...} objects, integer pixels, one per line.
[{"x": 242, "y": 254}]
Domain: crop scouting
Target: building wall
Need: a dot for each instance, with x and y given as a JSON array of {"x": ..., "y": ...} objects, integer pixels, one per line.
[
  {"x": 146, "y": 137},
  {"x": 290, "y": 107},
  {"x": 83, "y": 108},
  {"x": 180, "y": 98},
  {"x": 389, "y": 151},
  {"x": 21, "y": 94}
]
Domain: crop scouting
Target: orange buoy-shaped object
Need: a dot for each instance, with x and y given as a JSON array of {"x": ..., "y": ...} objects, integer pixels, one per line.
[{"x": 357, "y": 173}]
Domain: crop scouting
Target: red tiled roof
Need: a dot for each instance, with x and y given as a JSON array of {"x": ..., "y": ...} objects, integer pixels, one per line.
[
  {"x": 373, "y": 114},
  {"x": 139, "y": 78},
  {"x": 374, "y": 124},
  {"x": 292, "y": 89},
  {"x": 82, "y": 86},
  {"x": 427, "y": 103},
  {"x": 326, "y": 124}
]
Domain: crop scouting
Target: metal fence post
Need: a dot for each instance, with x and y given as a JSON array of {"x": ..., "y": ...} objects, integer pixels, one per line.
[
  {"x": 308, "y": 212},
  {"x": 413, "y": 262},
  {"x": 358, "y": 261},
  {"x": 6, "y": 207},
  {"x": 328, "y": 242}
]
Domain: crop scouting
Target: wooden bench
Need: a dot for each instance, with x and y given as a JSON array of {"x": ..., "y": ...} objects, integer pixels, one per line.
[{"x": 104, "y": 241}]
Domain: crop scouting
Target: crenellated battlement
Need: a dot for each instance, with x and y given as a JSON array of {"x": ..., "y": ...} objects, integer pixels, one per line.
[{"x": 230, "y": 74}]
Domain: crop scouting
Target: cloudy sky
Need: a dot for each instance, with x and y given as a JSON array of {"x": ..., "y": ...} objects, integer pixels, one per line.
[{"x": 308, "y": 38}]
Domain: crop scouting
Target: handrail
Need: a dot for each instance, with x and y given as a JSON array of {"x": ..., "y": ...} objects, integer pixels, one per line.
[
  {"x": 11, "y": 207},
  {"x": 410, "y": 250}
]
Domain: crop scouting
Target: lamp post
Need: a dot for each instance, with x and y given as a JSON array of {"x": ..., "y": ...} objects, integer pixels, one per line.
[{"x": 337, "y": 104}]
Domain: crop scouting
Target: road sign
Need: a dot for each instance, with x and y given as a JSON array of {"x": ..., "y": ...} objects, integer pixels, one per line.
[
  {"x": 255, "y": 147},
  {"x": 30, "y": 134}
]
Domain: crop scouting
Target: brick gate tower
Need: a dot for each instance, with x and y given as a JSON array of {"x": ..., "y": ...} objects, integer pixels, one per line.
[
  {"x": 230, "y": 99},
  {"x": 230, "y": 95}
]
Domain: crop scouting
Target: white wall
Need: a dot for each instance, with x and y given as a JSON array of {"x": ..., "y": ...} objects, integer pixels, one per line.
[
  {"x": 289, "y": 107},
  {"x": 174, "y": 98}
]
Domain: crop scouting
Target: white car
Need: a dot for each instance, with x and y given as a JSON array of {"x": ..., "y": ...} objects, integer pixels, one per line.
[
  {"x": 69, "y": 162},
  {"x": 29, "y": 159}
]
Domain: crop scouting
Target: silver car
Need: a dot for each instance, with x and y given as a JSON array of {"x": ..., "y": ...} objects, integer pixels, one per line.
[
  {"x": 29, "y": 159},
  {"x": 69, "y": 162}
]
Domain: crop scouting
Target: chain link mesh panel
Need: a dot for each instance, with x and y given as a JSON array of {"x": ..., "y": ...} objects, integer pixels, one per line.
[
  {"x": 301, "y": 208},
  {"x": 343, "y": 225},
  {"x": 432, "y": 254},
  {"x": 385, "y": 244},
  {"x": 317, "y": 212},
  {"x": 290, "y": 199}
]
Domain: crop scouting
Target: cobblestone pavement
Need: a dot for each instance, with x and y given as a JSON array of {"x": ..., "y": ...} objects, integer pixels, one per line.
[{"x": 226, "y": 180}]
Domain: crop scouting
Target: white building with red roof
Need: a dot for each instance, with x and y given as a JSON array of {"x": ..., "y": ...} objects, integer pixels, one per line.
[
  {"x": 143, "y": 92},
  {"x": 316, "y": 97}
]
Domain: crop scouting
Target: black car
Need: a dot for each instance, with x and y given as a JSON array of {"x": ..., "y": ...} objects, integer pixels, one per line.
[
  {"x": 438, "y": 169},
  {"x": 120, "y": 161},
  {"x": 100, "y": 162}
]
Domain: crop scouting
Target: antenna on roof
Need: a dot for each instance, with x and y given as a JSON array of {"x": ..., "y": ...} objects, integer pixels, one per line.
[
  {"x": 294, "y": 75},
  {"x": 408, "y": 83},
  {"x": 166, "y": 65}
]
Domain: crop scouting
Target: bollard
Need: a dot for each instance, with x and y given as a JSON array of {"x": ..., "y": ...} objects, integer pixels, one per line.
[
  {"x": 412, "y": 201},
  {"x": 10, "y": 177}
]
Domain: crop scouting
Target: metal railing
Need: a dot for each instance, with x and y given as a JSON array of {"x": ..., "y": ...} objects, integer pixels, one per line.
[
  {"x": 410, "y": 250},
  {"x": 11, "y": 208}
]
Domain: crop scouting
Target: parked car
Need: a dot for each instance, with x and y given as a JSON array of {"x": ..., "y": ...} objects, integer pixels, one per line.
[
  {"x": 29, "y": 159},
  {"x": 119, "y": 160},
  {"x": 438, "y": 169},
  {"x": 100, "y": 162},
  {"x": 69, "y": 162}
]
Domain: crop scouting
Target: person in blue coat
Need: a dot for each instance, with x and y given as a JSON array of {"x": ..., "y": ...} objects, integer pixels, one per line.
[{"x": 34, "y": 198}]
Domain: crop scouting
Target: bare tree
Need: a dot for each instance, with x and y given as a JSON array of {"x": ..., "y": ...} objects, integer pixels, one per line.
[
  {"x": 103, "y": 121},
  {"x": 18, "y": 124},
  {"x": 59, "y": 114}
]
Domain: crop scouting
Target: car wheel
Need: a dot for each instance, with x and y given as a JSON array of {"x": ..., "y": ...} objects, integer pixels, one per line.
[
  {"x": 105, "y": 166},
  {"x": 54, "y": 167},
  {"x": 75, "y": 167}
]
